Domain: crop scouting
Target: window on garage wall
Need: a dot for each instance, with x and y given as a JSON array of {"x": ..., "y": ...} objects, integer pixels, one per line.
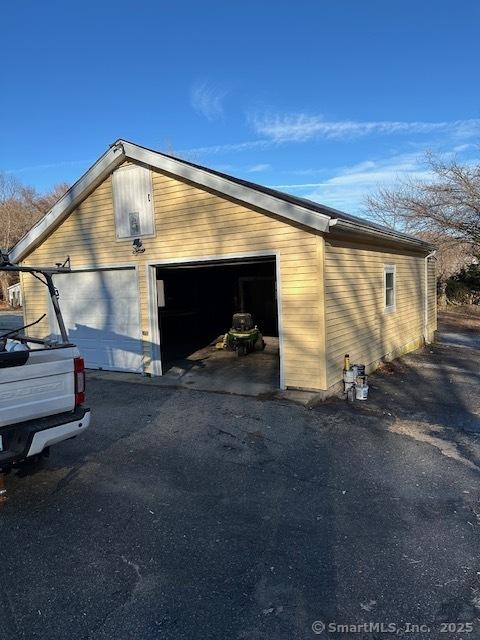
[
  {"x": 389, "y": 281},
  {"x": 133, "y": 202}
]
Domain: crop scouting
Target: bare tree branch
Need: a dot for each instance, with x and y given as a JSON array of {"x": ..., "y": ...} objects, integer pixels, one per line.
[
  {"x": 20, "y": 207},
  {"x": 445, "y": 209}
]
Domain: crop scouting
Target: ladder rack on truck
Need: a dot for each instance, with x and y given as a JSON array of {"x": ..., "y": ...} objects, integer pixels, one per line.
[{"x": 42, "y": 383}]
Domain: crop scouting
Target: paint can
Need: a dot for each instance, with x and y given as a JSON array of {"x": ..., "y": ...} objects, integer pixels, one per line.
[
  {"x": 361, "y": 391},
  {"x": 360, "y": 369}
]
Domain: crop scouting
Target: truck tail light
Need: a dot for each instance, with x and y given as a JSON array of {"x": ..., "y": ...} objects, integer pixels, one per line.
[{"x": 79, "y": 373}]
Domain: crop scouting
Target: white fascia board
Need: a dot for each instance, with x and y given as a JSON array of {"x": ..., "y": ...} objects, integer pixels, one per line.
[
  {"x": 78, "y": 192},
  {"x": 353, "y": 227},
  {"x": 283, "y": 209}
]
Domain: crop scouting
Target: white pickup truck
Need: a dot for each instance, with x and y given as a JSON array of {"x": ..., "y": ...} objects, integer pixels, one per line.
[{"x": 42, "y": 384}]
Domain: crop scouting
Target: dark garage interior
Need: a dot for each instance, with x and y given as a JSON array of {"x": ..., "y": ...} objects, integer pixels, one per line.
[{"x": 196, "y": 302}]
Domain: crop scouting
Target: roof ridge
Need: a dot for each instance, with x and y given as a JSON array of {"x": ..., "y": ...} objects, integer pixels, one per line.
[
  {"x": 301, "y": 211},
  {"x": 299, "y": 201}
]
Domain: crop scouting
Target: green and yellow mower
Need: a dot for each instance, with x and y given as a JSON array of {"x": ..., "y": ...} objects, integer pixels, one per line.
[{"x": 243, "y": 337}]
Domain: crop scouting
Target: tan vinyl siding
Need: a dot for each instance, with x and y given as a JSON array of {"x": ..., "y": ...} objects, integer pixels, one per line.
[
  {"x": 356, "y": 321},
  {"x": 194, "y": 223}
]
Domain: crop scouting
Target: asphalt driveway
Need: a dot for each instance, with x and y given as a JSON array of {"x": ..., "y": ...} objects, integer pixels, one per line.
[
  {"x": 10, "y": 320},
  {"x": 185, "y": 514}
]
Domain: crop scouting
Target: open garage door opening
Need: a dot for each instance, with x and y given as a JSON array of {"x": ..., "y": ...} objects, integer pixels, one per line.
[{"x": 196, "y": 302}]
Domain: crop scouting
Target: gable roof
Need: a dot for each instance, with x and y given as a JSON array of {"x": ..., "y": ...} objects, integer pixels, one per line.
[{"x": 291, "y": 208}]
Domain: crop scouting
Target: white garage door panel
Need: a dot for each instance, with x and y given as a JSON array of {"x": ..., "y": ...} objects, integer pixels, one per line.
[{"x": 101, "y": 314}]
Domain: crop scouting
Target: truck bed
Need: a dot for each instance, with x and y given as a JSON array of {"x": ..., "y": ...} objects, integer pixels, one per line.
[{"x": 36, "y": 383}]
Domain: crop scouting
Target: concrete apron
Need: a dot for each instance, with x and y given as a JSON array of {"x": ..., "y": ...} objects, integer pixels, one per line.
[{"x": 255, "y": 375}]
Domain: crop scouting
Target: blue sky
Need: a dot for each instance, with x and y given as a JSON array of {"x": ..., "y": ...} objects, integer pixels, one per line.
[{"x": 324, "y": 99}]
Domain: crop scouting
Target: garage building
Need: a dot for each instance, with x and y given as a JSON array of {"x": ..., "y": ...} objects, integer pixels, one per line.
[{"x": 165, "y": 251}]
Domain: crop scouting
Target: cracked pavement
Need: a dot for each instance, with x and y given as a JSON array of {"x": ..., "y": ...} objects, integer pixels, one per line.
[{"x": 185, "y": 514}]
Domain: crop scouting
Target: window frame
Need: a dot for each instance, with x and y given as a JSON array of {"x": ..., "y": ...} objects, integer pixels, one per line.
[{"x": 389, "y": 268}]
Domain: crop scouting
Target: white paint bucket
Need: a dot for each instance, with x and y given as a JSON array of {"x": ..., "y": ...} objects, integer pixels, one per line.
[{"x": 361, "y": 391}]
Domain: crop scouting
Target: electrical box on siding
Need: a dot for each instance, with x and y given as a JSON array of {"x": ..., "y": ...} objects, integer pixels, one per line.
[{"x": 133, "y": 202}]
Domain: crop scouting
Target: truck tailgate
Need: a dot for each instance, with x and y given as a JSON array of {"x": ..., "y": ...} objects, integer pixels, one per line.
[{"x": 43, "y": 386}]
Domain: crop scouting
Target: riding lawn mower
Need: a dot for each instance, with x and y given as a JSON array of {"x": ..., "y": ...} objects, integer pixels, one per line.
[{"x": 243, "y": 337}]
